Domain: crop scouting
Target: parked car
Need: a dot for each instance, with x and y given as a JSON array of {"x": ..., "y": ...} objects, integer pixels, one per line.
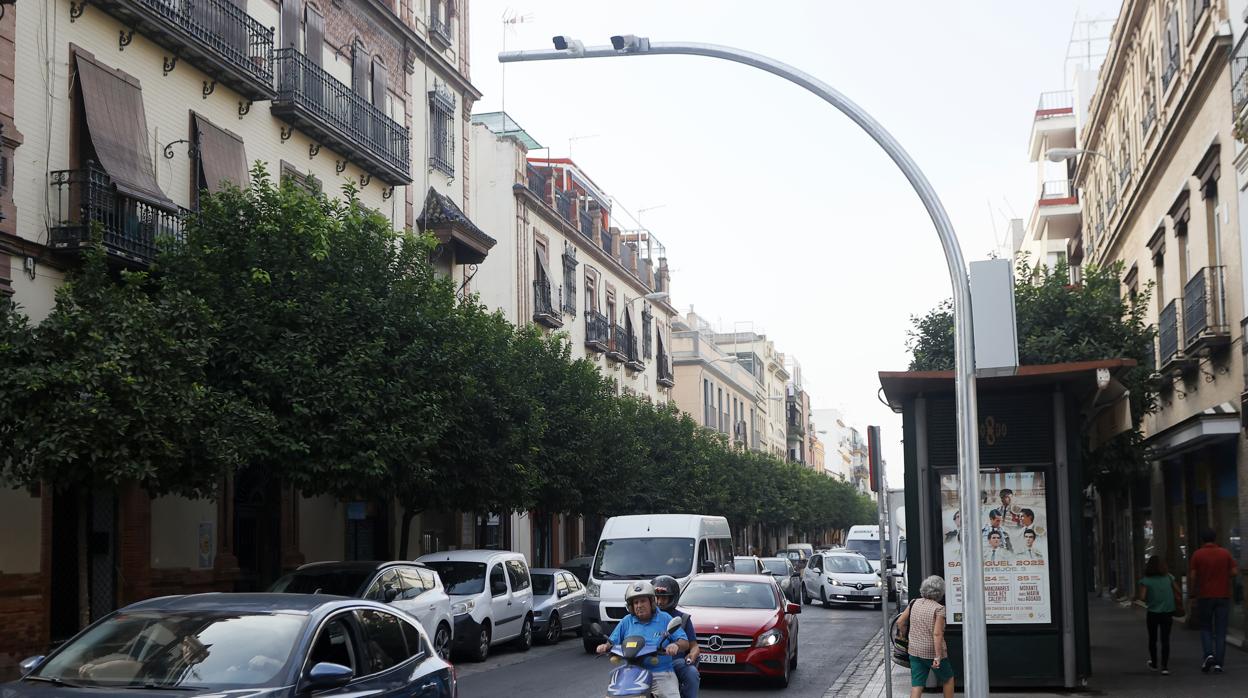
[
  {"x": 275, "y": 645},
  {"x": 744, "y": 624},
  {"x": 491, "y": 598},
  {"x": 787, "y": 576},
  {"x": 557, "y": 599},
  {"x": 407, "y": 585},
  {"x": 579, "y": 567},
  {"x": 842, "y": 578},
  {"x": 748, "y": 564},
  {"x": 798, "y": 556}
]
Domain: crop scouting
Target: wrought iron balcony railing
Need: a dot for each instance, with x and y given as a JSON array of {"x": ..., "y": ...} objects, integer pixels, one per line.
[
  {"x": 597, "y": 332},
  {"x": 587, "y": 224},
  {"x": 216, "y": 36},
  {"x": 440, "y": 28},
  {"x": 1168, "y": 333},
  {"x": 326, "y": 109},
  {"x": 131, "y": 229},
  {"x": 663, "y": 371},
  {"x": 545, "y": 310},
  {"x": 1150, "y": 115},
  {"x": 537, "y": 182},
  {"x": 565, "y": 205},
  {"x": 618, "y": 347},
  {"x": 1167, "y": 73},
  {"x": 1239, "y": 75},
  {"x": 632, "y": 352},
  {"x": 1204, "y": 309}
]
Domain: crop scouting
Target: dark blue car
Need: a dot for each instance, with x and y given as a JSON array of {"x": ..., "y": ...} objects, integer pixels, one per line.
[{"x": 251, "y": 645}]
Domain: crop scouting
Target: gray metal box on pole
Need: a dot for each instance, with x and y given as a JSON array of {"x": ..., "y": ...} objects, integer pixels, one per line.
[{"x": 992, "y": 311}]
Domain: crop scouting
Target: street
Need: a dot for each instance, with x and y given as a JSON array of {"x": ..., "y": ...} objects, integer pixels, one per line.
[{"x": 828, "y": 640}]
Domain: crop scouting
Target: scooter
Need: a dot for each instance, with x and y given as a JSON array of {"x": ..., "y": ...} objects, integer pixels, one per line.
[{"x": 632, "y": 659}]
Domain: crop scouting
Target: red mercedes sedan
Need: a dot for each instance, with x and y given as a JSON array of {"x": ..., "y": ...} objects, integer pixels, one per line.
[{"x": 745, "y": 626}]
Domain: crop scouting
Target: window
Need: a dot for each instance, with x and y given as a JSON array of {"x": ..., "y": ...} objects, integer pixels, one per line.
[
  {"x": 440, "y": 20},
  {"x": 569, "y": 279},
  {"x": 306, "y": 181},
  {"x": 415, "y": 645},
  {"x": 647, "y": 320},
  {"x": 387, "y": 580},
  {"x": 518, "y": 575},
  {"x": 429, "y": 579},
  {"x": 1195, "y": 8},
  {"x": 335, "y": 644},
  {"x": 413, "y": 584},
  {"x": 498, "y": 581},
  {"x": 383, "y": 633},
  {"x": 1172, "y": 48},
  {"x": 561, "y": 584},
  {"x": 442, "y": 130}
]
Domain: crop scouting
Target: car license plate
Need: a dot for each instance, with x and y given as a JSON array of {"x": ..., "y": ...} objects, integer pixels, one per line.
[{"x": 708, "y": 658}]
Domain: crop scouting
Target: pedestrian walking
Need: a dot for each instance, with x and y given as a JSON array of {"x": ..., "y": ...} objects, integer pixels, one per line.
[
  {"x": 1160, "y": 594},
  {"x": 1210, "y": 573},
  {"x": 923, "y": 623}
]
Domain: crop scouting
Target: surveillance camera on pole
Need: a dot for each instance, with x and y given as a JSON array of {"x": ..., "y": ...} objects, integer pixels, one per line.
[
  {"x": 572, "y": 46},
  {"x": 630, "y": 43}
]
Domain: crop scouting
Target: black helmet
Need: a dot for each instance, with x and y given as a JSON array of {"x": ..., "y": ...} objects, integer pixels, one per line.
[{"x": 666, "y": 585}]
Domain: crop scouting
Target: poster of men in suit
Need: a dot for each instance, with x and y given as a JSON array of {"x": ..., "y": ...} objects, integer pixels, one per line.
[{"x": 1012, "y": 526}]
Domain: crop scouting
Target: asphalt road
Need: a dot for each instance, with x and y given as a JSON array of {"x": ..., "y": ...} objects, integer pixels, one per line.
[{"x": 827, "y": 640}]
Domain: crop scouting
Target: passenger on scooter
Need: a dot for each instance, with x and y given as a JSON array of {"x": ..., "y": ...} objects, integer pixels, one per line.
[
  {"x": 645, "y": 619},
  {"x": 667, "y": 591}
]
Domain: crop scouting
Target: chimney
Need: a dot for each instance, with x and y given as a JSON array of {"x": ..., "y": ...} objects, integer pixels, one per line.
[{"x": 663, "y": 281}]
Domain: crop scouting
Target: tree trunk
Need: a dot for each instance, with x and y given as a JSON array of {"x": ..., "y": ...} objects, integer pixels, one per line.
[
  {"x": 405, "y": 533},
  {"x": 84, "y": 558}
]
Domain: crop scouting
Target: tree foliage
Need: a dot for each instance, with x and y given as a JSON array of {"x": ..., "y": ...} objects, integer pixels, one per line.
[
  {"x": 1060, "y": 322},
  {"x": 297, "y": 337}
]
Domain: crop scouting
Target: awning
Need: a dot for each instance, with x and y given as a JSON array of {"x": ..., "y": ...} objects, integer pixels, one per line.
[
  {"x": 113, "y": 102},
  {"x": 442, "y": 217},
  {"x": 221, "y": 155},
  {"x": 1215, "y": 424}
]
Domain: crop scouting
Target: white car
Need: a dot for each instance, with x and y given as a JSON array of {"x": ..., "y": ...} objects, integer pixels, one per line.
[
  {"x": 409, "y": 586},
  {"x": 491, "y": 598},
  {"x": 841, "y": 578}
]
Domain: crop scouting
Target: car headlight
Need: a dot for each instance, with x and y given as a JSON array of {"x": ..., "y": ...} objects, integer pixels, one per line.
[
  {"x": 461, "y": 607},
  {"x": 879, "y": 584},
  {"x": 593, "y": 589},
  {"x": 769, "y": 639},
  {"x": 833, "y": 582}
]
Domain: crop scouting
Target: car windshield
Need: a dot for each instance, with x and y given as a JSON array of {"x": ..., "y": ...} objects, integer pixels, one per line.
[
  {"x": 779, "y": 567},
  {"x": 791, "y": 554},
  {"x": 744, "y": 565},
  {"x": 460, "y": 578},
  {"x": 725, "y": 594},
  {"x": 847, "y": 564},
  {"x": 186, "y": 649},
  {"x": 869, "y": 548},
  {"x": 543, "y": 584},
  {"x": 643, "y": 558},
  {"x": 339, "y": 582}
]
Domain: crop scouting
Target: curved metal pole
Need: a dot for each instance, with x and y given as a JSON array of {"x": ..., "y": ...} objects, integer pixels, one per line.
[{"x": 975, "y": 640}]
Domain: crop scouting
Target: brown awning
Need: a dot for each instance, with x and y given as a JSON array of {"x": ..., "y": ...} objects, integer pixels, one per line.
[
  {"x": 221, "y": 155},
  {"x": 117, "y": 123}
]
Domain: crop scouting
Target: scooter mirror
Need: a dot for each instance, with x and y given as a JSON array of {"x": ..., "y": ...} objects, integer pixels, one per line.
[
  {"x": 596, "y": 629},
  {"x": 675, "y": 624}
]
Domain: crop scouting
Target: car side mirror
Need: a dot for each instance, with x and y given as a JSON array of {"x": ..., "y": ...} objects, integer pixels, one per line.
[
  {"x": 28, "y": 664},
  {"x": 389, "y": 593},
  {"x": 901, "y": 554},
  {"x": 816, "y": 570},
  {"x": 792, "y": 608},
  {"x": 563, "y": 593},
  {"x": 328, "y": 675},
  {"x": 708, "y": 566}
]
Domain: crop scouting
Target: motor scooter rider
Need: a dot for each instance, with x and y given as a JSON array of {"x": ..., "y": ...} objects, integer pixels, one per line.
[
  {"x": 645, "y": 619},
  {"x": 667, "y": 591}
]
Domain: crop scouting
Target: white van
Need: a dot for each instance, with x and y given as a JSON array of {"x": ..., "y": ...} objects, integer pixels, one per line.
[
  {"x": 865, "y": 539},
  {"x": 491, "y": 598},
  {"x": 643, "y": 547}
]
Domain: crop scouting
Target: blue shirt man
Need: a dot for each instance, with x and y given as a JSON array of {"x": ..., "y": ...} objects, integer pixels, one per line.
[{"x": 651, "y": 631}]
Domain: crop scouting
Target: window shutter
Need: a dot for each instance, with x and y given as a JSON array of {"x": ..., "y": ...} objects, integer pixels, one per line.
[
  {"x": 379, "y": 85},
  {"x": 359, "y": 70},
  {"x": 316, "y": 36},
  {"x": 292, "y": 12}
]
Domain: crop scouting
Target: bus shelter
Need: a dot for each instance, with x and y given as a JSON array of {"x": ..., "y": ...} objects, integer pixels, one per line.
[{"x": 1030, "y": 514}]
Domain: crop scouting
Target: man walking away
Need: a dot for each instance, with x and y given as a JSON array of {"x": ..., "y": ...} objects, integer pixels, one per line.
[{"x": 1209, "y": 578}]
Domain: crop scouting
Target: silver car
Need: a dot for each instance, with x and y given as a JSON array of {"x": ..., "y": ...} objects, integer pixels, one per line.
[
  {"x": 841, "y": 578},
  {"x": 557, "y": 597}
]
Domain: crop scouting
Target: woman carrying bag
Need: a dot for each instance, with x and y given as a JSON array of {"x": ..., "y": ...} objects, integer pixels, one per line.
[
  {"x": 1160, "y": 594},
  {"x": 923, "y": 624}
]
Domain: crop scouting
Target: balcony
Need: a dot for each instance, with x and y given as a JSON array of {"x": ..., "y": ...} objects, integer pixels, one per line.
[
  {"x": 587, "y": 224},
  {"x": 131, "y": 229},
  {"x": 1058, "y": 191},
  {"x": 1205, "y": 325},
  {"x": 663, "y": 371},
  {"x": 1054, "y": 124},
  {"x": 1167, "y": 73},
  {"x": 1171, "y": 357},
  {"x": 537, "y": 182},
  {"x": 439, "y": 28},
  {"x": 597, "y": 334},
  {"x": 632, "y": 353},
  {"x": 1057, "y": 211},
  {"x": 565, "y": 204},
  {"x": 795, "y": 425},
  {"x": 617, "y": 348},
  {"x": 216, "y": 36},
  {"x": 545, "y": 312},
  {"x": 1239, "y": 76},
  {"x": 327, "y": 110},
  {"x": 1150, "y": 115},
  {"x": 1055, "y": 104}
]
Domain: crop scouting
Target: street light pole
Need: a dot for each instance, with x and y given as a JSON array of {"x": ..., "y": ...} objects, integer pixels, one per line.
[{"x": 975, "y": 639}]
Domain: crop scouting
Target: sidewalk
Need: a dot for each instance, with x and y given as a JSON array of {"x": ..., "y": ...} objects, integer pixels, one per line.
[{"x": 1119, "y": 656}]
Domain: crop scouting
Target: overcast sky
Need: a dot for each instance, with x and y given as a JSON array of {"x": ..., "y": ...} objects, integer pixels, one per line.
[{"x": 777, "y": 212}]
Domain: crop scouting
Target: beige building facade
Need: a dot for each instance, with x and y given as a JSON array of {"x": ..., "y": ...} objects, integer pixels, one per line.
[
  {"x": 1159, "y": 196},
  {"x": 711, "y": 383}
]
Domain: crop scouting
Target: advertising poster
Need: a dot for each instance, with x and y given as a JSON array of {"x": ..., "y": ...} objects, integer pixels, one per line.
[{"x": 1012, "y": 527}]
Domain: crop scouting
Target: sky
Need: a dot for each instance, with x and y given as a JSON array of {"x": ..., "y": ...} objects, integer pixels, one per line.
[{"x": 777, "y": 212}]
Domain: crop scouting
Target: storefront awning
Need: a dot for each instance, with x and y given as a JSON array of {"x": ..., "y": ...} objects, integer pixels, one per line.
[{"x": 1215, "y": 424}]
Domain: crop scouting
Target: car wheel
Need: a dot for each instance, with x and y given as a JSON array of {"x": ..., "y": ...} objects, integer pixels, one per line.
[
  {"x": 525, "y": 641},
  {"x": 823, "y": 596},
  {"x": 482, "y": 650},
  {"x": 782, "y": 681},
  {"x": 806, "y": 596},
  {"x": 442, "y": 642},
  {"x": 793, "y": 659},
  {"x": 554, "y": 629}
]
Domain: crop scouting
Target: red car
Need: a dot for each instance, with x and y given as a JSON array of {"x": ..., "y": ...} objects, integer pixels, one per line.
[{"x": 745, "y": 626}]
